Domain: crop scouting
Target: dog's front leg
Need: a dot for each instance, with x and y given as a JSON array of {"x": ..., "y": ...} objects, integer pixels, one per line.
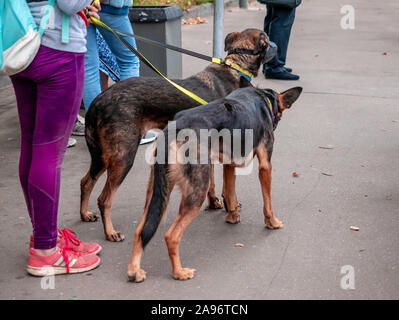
[
  {"x": 229, "y": 194},
  {"x": 265, "y": 178}
]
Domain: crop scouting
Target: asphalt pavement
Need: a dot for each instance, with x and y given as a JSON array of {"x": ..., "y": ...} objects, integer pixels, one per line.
[{"x": 341, "y": 138}]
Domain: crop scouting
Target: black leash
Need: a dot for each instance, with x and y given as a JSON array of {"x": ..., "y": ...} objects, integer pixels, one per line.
[{"x": 110, "y": 69}]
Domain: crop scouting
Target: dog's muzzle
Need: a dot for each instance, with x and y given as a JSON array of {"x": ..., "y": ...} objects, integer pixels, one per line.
[{"x": 270, "y": 52}]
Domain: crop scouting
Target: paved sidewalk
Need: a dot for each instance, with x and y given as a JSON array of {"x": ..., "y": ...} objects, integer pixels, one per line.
[{"x": 349, "y": 105}]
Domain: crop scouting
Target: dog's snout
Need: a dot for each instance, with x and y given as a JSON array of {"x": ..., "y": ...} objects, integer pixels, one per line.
[{"x": 271, "y": 51}]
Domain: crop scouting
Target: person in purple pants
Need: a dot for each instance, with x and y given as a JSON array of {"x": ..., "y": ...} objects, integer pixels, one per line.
[{"x": 49, "y": 92}]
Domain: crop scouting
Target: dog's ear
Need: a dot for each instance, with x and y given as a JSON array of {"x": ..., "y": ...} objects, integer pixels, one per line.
[
  {"x": 288, "y": 97},
  {"x": 261, "y": 42},
  {"x": 229, "y": 40}
]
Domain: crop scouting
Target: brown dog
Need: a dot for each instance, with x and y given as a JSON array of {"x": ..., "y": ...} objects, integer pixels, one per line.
[
  {"x": 120, "y": 116},
  {"x": 244, "y": 109}
]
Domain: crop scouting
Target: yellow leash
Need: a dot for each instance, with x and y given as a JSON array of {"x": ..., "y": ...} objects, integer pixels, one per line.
[
  {"x": 185, "y": 91},
  {"x": 245, "y": 73},
  {"x": 144, "y": 59}
]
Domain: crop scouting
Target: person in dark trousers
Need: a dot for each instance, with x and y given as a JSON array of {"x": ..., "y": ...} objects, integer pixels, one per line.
[{"x": 277, "y": 25}]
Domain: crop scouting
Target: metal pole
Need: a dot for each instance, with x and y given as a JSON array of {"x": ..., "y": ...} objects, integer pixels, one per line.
[
  {"x": 243, "y": 4},
  {"x": 218, "y": 28}
]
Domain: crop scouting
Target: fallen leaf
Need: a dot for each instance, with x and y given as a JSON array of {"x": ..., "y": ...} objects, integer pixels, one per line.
[
  {"x": 327, "y": 174},
  {"x": 353, "y": 228},
  {"x": 294, "y": 174},
  {"x": 384, "y": 53},
  {"x": 195, "y": 20},
  {"x": 239, "y": 245},
  {"x": 328, "y": 147},
  {"x": 361, "y": 250},
  {"x": 394, "y": 120}
]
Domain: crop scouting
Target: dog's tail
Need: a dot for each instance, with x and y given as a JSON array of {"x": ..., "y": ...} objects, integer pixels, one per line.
[{"x": 158, "y": 203}]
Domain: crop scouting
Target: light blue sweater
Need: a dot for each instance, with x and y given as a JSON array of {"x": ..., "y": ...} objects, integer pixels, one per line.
[{"x": 53, "y": 34}]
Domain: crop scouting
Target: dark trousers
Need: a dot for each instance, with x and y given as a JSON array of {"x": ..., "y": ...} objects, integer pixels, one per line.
[{"x": 277, "y": 25}]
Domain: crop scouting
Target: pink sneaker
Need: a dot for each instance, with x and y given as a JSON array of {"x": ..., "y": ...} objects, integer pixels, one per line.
[
  {"x": 67, "y": 238},
  {"x": 64, "y": 260}
]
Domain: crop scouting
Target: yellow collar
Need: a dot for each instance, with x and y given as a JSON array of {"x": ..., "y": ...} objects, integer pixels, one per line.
[{"x": 231, "y": 64}]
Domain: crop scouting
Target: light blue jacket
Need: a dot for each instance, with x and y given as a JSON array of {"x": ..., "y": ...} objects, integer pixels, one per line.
[
  {"x": 53, "y": 34},
  {"x": 118, "y": 3}
]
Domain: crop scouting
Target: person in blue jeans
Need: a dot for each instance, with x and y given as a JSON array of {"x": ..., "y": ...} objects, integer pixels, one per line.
[
  {"x": 114, "y": 13},
  {"x": 278, "y": 23}
]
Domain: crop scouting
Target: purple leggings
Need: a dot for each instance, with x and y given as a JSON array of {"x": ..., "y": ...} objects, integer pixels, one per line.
[{"x": 49, "y": 93}]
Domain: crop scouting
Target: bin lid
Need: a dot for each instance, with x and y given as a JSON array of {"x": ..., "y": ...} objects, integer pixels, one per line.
[{"x": 154, "y": 14}]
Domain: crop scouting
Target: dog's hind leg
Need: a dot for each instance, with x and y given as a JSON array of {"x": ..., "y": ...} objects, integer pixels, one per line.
[
  {"x": 117, "y": 169},
  {"x": 213, "y": 201},
  {"x": 86, "y": 187},
  {"x": 134, "y": 271},
  {"x": 265, "y": 178},
  {"x": 194, "y": 190},
  {"x": 229, "y": 195},
  {"x": 105, "y": 203},
  {"x": 97, "y": 168}
]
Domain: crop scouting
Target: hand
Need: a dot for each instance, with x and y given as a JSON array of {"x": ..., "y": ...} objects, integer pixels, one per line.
[
  {"x": 93, "y": 10},
  {"x": 97, "y": 4}
]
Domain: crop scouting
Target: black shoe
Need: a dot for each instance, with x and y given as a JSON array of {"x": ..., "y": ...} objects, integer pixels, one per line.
[
  {"x": 288, "y": 69},
  {"x": 283, "y": 75}
]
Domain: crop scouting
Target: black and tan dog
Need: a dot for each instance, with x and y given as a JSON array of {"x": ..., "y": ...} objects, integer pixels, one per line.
[
  {"x": 252, "y": 109},
  {"x": 120, "y": 116}
]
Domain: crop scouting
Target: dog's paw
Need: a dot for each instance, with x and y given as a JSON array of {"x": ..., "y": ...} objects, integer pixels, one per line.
[
  {"x": 136, "y": 276},
  {"x": 273, "y": 223},
  {"x": 226, "y": 207},
  {"x": 115, "y": 236},
  {"x": 184, "y": 274},
  {"x": 89, "y": 217},
  {"x": 214, "y": 204},
  {"x": 233, "y": 218}
]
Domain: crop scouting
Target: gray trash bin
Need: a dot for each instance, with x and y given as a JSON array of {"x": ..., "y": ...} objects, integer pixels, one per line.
[{"x": 163, "y": 24}]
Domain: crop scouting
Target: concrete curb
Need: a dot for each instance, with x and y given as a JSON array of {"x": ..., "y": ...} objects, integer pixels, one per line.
[{"x": 206, "y": 9}]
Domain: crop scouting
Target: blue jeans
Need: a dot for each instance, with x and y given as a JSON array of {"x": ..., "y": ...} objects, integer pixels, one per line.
[
  {"x": 278, "y": 23},
  {"x": 128, "y": 62}
]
